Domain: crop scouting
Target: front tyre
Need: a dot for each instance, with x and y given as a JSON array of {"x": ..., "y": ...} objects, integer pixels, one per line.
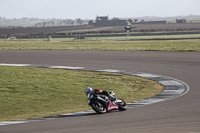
[{"x": 98, "y": 107}]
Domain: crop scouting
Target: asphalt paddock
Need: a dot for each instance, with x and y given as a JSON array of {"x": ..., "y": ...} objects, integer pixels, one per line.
[{"x": 179, "y": 115}]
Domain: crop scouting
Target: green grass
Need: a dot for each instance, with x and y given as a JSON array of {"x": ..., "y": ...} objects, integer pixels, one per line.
[
  {"x": 28, "y": 92},
  {"x": 123, "y": 38},
  {"x": 164, "y": 45}
]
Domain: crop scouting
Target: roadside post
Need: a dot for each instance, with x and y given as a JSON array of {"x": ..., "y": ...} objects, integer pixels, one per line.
[{"x": 127, "y": 28}]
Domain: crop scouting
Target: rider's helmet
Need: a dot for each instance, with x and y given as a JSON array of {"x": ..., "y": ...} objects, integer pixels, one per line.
[{"x": 88, "y": 90}]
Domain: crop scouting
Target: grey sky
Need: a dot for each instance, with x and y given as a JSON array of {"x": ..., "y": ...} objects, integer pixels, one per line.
[{"x": 91, "y": 8}]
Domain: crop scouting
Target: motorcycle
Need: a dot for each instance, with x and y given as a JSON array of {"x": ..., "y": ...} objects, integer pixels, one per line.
[{"x": 102, "y": 104}]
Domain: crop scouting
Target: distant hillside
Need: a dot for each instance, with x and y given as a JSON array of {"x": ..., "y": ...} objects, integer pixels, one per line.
[
  {"x": 170, "y": 18},
  {"x": 37, "y": 22}
]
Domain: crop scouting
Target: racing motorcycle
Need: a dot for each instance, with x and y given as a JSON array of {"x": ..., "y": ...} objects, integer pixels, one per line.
[{"x": 102, "y": 104}]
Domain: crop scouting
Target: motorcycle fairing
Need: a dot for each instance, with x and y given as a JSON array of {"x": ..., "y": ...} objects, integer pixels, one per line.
[{"x": 111, "y": 106}]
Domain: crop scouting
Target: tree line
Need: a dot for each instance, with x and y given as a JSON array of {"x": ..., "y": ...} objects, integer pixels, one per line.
[
  {"x": 62, "y": 22},
  {"x": 38, "y": 22}
]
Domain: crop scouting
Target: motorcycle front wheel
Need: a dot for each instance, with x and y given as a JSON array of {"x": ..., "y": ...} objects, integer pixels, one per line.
[{"x": 98, "y": 107}]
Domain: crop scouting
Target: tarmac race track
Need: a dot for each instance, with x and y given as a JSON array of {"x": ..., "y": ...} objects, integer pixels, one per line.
[{"x": 179, "y": 115}]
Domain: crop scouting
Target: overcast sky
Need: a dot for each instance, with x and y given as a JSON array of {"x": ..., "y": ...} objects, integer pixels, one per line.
[{"x": 89, "y": 9}]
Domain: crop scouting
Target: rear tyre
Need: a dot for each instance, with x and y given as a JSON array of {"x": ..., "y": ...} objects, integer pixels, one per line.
[{"x": 122, "y": 106}]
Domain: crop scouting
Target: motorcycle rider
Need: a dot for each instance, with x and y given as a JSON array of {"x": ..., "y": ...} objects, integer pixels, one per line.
[{"x": 90, "y": 92}]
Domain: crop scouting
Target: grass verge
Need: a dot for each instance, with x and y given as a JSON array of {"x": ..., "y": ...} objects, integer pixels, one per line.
[
  {"x": 164, "y": 45},
  {"x": 28, "y": 92}
]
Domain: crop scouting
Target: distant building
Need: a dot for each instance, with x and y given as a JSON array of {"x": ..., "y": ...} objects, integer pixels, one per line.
[
  {"x": 102, "y": 18},
  {"x": 104, "y": 21},
  {"x": 180, "y": 20}
]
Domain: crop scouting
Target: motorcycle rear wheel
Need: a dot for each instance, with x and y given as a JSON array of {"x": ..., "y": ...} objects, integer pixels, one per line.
[{"x": 122, "y": 106}]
